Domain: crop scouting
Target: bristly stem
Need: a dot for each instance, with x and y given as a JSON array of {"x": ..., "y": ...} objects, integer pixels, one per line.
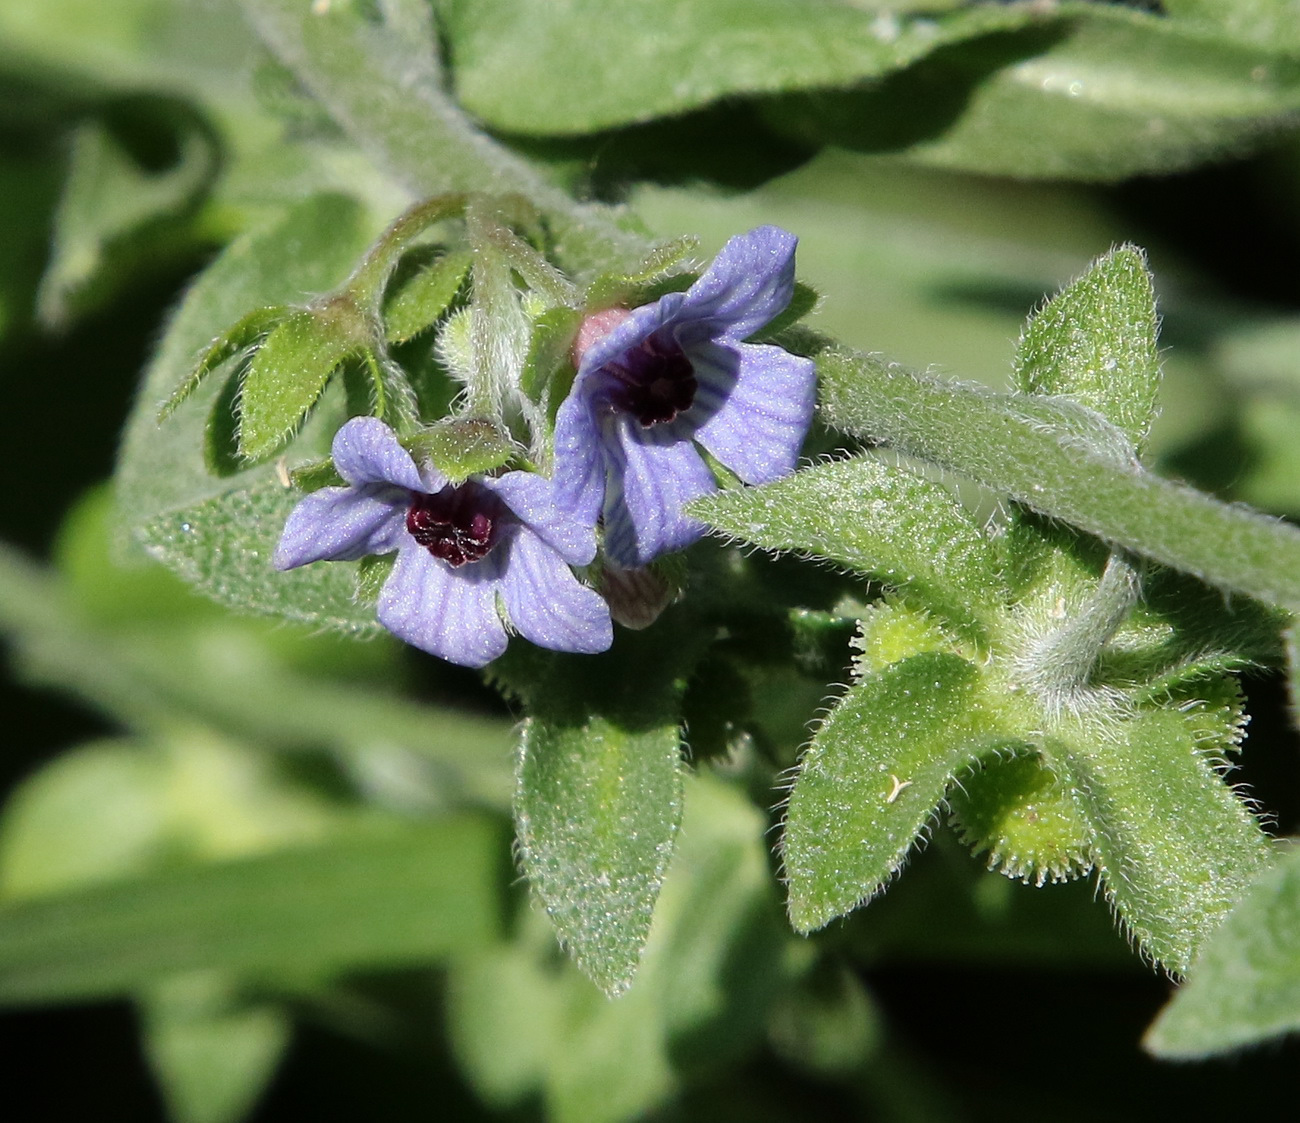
[
  {"x": 381, "y": 81},
  {"x": 1062, "y": 661}
]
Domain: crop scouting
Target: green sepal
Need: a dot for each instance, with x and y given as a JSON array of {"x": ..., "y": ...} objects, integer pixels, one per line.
[
  {"x": 460, "y": 447},
  {"x": 246, "y": 333},
  {"x": 1020, "y": 814},
  {"x": 414, "y": 303},
  {"x": 372, "y": 572},
  {"x": 1174, "y": 845},
  {"x": 880, "y": 764},
  {"x": 221, "y": 432},
  {"x": 291, "y": 369},
  {"x": 610, "y": 289},
  {"x": 890, "y": 631},
  {"x": 1095, "y": 342},
  {"x": 548, "y": 368},
  {"x": 315, "y": 475}
]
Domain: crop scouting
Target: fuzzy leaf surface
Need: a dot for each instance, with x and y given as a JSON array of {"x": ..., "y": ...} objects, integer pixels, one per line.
[
  {"x": 286, "y": 377},
  {"x": 599, "y": 794},
  {"x": 985, "y": 104},
  {"x": 1175, "y": 847},
  {"x": 878, "y": 520},
  {"x": 307, "y": 250},
  {"x": 1245, "y": 985},
  {"x": 871, "y": 779},
  {"x": 1095, "y": 342}
]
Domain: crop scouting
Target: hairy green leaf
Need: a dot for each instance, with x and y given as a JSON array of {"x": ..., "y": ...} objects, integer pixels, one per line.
[
  {"x": 413, "y": 304},
  {"x": 881, "y": 521},
  {"x": 289, "y": 372},
  {"x": 596, "y": 813},
  {"x": 404, "y": 895},
  {"x": 1095, "y": 342},
  {"x": 308, "y": 250},
  {"x": 1244, "y": 986},
  {"x": 877, "y": 768},
  {"x": 599, "y": 792},
  {"x": 1175, "y": 847}
]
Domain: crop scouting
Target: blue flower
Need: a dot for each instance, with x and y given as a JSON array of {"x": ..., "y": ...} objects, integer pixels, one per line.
[
  {"x": 654, "y": 381},
  {"x": 466, "y": 553}
]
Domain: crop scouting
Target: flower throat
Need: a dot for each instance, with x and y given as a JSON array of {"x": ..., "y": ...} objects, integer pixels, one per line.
[
  {"x": 656, "y": 381},
  {"x": 459, "y": 524}
]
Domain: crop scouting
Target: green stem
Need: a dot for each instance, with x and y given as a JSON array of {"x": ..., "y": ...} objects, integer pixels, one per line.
[
  {"x": 1062, "y": 661},
  {"x": 381, "y": 82},
  {"x": 1063, "y": 471}
]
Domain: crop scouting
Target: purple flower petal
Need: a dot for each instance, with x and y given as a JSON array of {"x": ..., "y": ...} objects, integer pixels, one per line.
[
  {"x": 579, "y": 464},
  {"x": 654, "y": 473},
  {"x": 759, "y": 411},
  {"x": 750, "y": 281},
  {"x": 533, "y": 499},
  {"x": 341, "y": 524},
  {"x": 365, "y": 451},
  {"x": 448, "y": 613},
  {"x": 548, "y": 605}
]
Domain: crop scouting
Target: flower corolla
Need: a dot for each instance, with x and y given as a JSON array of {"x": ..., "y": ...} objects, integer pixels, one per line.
[
  {"x": 471, "y": 556},
  {"x": 655, "y": 381}
]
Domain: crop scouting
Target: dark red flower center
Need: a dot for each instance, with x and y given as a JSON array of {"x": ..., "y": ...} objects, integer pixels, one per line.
[
  {"x": 460, "y": 524},
  {"x": 656, "y": 381}
]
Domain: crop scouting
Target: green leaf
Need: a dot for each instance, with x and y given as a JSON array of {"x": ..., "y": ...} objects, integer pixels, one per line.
[
  {"x": 1270, "y": 23},
  {"x": 223, "y": 548},
  {"x": 212, "y": 1054},
  {"x": 249, "y": 330},
  {"x": 114, "y": 211},
  {"x": 716, "y": 962},
  {"x": 599, "y": 791},
  {"x": 1244, "y": 986},
  {"x": 1175, "y": 847},
  {"x": 596, "y": 813},
  {"x": 92, "y": 814},
  {"x": 1095, "y": 342},
  {"x": 378, "y": 73},
  {"x": 414, "y": 304},
  {"x": 1064, "y": 466},
  {"x": 878, "y": 520},
  {"x": 877, "y": 768},
  {"x": 404, "y": 895},
  {"x": 1066, "y": 98},
  {"x": 307, "y": 250},
  {"x": 529, "y": 68},
  {"x": 290, "y": 370}
]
